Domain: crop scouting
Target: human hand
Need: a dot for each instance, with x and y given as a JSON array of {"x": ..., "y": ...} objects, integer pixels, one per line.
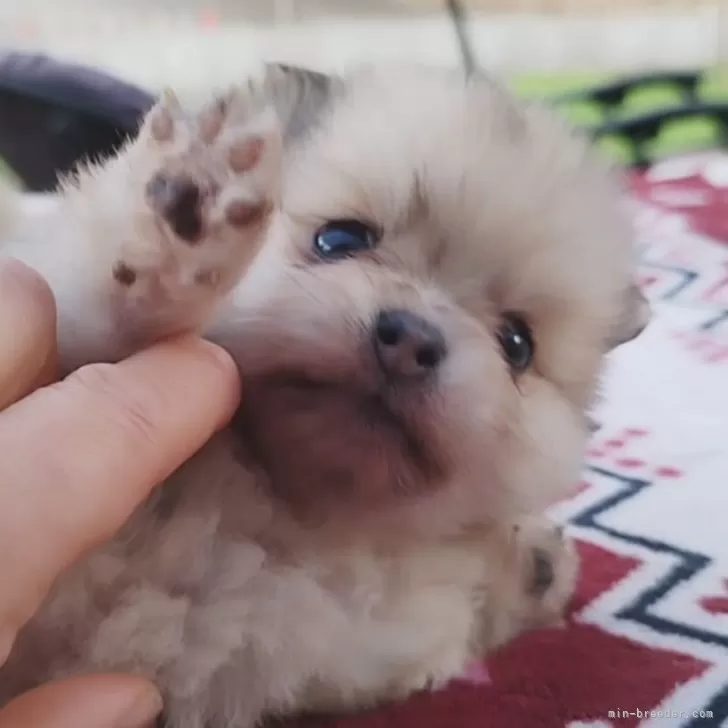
[{"x": 76, "y": 458}]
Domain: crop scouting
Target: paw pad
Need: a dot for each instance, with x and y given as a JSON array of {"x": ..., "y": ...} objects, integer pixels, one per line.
[
  {"x": 162, "y": 117},
  {"x": 212, "y": 120},
  {"x": 245, "y": 154},
  {"x": 178, "y": 200},
  {"x": 124, "y": 274},
  {"x": 542, "y": 575},
  {"x": 241, "y": 214},
  {"x": 209, "y": 278}
]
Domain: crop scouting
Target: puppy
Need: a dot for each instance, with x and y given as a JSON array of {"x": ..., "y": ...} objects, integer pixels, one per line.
[{"x": 418, "y": 278}]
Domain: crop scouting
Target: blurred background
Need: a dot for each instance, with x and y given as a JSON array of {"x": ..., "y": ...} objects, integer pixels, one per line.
[
  {"x": 543, "y": 48},
  {"x": 153, "y": 41}
]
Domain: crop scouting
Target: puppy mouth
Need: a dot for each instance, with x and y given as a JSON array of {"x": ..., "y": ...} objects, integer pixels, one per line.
[
  {"x": 375, "y": 409},
  {"x": 324, "y": 440}
]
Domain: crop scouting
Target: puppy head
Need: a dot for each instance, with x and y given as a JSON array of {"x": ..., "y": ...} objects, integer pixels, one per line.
[{"x": 424, "y": 328}]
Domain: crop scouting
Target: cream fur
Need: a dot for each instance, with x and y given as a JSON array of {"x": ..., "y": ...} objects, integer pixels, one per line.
[{"x": 324, "y": 553}]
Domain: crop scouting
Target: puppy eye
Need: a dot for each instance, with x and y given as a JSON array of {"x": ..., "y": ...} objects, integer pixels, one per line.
[
  {"x": 344, "y": 238},
  {"x": 516, "y": 340}
]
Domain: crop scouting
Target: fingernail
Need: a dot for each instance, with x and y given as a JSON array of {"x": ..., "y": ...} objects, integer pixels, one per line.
[{"x": 143, "y": 711}]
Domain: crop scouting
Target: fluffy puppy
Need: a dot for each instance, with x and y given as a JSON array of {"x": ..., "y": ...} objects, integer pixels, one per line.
[{"x": 418, "y": 278}]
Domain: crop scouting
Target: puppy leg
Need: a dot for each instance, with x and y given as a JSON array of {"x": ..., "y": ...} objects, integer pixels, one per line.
[
  {"x": 535, "y": 570},
  {"x": 531, "y": 575},
  {"x": 209, "y": 194},
  {"x": 550, "y": 571}
]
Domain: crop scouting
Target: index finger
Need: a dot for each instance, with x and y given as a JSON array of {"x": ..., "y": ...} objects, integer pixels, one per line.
[
  {"x": 27, "y": 332},
  {"x": 80, "y": 455}
]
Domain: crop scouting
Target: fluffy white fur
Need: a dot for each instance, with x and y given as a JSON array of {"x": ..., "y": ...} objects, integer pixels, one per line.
[{"x": 345, "y": 541}]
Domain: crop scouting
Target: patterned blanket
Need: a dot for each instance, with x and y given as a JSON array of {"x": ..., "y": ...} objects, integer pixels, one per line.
[{"x": 646, "y": 642}]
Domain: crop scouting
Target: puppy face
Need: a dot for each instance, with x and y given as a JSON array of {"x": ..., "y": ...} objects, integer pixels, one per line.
[{"x": 425, "y": 326}]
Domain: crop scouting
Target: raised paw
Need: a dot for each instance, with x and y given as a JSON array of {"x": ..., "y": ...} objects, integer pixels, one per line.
[{"x": 207, "y": 183}]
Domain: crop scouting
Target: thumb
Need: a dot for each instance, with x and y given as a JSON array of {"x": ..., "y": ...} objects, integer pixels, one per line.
[{"x": 97, "y": 701}]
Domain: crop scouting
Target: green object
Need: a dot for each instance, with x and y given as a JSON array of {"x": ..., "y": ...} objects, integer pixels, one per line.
[{"x": 680, "y": 136}]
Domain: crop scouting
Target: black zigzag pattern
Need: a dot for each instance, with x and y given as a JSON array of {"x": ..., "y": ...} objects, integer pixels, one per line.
[
  {"x": 718, "y": 707},
  {"x": 716, "y": 322},
  {"x": 685, "y": 277},
  {"x": 688, "y": 565}
]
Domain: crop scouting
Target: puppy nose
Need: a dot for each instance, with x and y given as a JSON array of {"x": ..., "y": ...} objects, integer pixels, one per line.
[
  {"x": 178, "y": 201},
  {"x": 406, "y": 345}
]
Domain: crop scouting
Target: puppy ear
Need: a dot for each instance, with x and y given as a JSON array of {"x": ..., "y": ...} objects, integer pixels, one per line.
[
  {"x": 300, "y": 95},
  {"x": 635, "y": 316}
]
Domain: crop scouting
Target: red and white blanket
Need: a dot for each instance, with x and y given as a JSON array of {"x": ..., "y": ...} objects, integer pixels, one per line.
[{"x": 646, "y": 643}]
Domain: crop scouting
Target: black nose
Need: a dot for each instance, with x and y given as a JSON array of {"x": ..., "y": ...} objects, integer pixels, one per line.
[
  {"x": 178, "y": 201},
  {"x": 406, "y": 345}
]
